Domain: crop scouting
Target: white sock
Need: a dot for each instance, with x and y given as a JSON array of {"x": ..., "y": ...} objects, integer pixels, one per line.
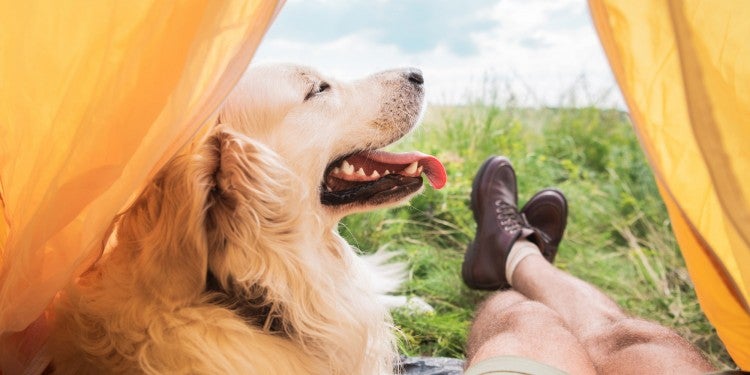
[{"x": 520, "y": 250}]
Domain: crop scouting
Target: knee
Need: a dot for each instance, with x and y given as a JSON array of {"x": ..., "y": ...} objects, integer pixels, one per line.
[
  {"x": 646, "y": 346},
  {"x": 525, "y": 329},
  {"x": 499, "y": 302},
  {"x": 507, "y": 315},
  {"x": 630, "y": 332},
  {"x": 510, "y": 314},
  {"x": 529, "y": 313},
  {"x": 532, "y": 318}
]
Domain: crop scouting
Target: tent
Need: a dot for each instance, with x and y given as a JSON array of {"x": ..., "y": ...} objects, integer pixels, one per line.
[
  {"x": 96, "y": 96},
  {"x": 684, "y": 69}
]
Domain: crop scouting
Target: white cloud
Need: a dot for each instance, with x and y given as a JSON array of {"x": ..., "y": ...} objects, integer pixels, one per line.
[{"x": 537, "y": 50}]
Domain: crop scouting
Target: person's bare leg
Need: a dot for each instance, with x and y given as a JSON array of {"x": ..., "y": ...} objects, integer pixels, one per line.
[
  {"x": 615, "y": 342},
  {"x": 508, "y": 323},
  {"x": 517, "y": 248}
]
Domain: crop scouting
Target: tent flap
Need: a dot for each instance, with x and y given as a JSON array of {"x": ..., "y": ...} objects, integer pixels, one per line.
[
  {"x": 684, "y": 69},
  {"x": 94, "y": 98}
]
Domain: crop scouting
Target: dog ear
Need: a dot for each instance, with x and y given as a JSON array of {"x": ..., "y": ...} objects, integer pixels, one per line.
[
  {"x": 229, "y": 202},
  {"x": 253, "y": 212}
]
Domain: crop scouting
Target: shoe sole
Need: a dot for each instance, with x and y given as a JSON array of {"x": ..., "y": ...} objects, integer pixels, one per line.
[
  {"x": 551, "y": 256},
  {"x": 557, "y": 192},
  {"x": 473, "y": 204},
  {"x": 475, "y": 184}
]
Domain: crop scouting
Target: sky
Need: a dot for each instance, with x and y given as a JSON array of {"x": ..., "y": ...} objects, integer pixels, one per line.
[{"x": 533, "y": 52}]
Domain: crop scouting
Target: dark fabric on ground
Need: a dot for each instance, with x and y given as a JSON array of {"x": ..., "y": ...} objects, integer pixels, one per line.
[{"x": 431, "y": 366}]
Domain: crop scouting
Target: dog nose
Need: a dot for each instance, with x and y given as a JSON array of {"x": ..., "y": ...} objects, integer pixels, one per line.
[{"x": 415, "y": 77}]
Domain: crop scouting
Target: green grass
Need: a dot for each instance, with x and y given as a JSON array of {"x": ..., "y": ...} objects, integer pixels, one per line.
[{"x": 618, "y": 238}]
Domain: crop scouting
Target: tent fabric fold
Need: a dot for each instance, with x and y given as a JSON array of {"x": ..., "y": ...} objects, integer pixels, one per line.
[
  {"x": 94, "y": 98},
  {"x": 684, "y": 69}
]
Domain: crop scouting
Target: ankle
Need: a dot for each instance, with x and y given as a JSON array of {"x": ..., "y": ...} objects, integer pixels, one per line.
[{"x": 521, "y": 249}]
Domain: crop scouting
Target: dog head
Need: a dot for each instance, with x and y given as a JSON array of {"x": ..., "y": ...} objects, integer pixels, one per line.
[
  {"x": 290, "y": 144},
  {"x": 244, "y": 220},
  {"x": 329, "y": 133}
]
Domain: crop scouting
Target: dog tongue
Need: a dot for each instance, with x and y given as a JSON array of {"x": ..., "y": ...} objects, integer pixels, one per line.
[{"x": 433, "y": 168}]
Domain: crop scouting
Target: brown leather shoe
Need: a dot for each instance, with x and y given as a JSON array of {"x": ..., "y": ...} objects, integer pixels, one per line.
[
  {"x": 494, "y": 201},
  {"x": 547, "y": 212}
]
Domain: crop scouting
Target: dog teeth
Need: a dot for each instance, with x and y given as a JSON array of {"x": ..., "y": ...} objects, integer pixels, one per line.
[
  {"x": 411, "y": 169},
  {"x": 347, "y": 168}
]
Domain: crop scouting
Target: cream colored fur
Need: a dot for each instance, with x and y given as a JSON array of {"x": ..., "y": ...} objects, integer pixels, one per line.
[{"x": 245, "y": 206}]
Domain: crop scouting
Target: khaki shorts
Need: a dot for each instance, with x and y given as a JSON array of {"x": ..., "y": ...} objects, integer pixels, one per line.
[{"x": 511, "y": 365}]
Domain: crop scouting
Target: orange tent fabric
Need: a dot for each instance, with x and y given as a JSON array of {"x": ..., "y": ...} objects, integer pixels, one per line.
[
  {"x": 94, "y": 97},
  {"x": 684, "y": 69}
]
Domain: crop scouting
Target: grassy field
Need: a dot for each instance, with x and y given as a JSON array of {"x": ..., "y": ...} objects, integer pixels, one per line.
[{"x": 618, "y": 237}]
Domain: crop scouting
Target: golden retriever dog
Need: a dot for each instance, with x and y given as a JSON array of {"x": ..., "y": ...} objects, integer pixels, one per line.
[{"x": 230, "y": 262}]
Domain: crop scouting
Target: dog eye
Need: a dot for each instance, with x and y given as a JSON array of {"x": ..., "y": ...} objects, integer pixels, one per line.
[{"x": 321, "y": 87}]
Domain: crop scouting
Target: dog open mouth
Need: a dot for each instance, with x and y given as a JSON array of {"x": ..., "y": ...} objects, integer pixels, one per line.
[{"x": 376, "y": 177}]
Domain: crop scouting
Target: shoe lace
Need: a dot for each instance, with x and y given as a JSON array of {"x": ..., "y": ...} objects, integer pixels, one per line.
[{"x": 508, "y": 216}]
